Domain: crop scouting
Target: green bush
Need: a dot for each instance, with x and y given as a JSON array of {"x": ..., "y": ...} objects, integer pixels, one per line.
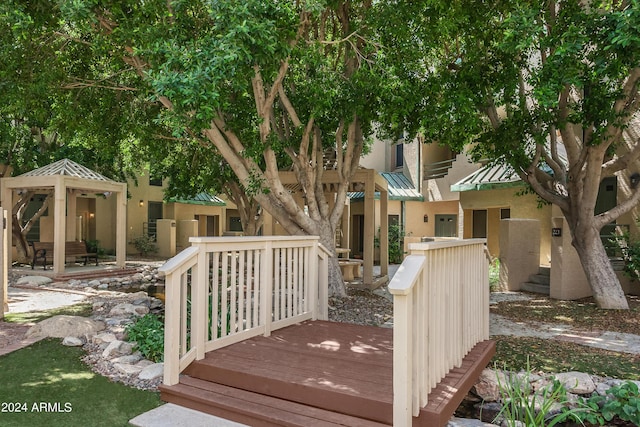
[
  {"x": 148, "y": 333},
  {"x": 145, "y": 245},
  {"x": 622, "y": 401},
  {"x": 93, "y": 246},
  {"x": 396, "y": 243}
]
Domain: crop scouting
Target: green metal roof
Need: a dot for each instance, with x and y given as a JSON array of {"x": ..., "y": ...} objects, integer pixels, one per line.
[
  {"x": 489, "y": 177},
  {"x": 399, "y": 187},
  {"x": 204, "y": 199}
]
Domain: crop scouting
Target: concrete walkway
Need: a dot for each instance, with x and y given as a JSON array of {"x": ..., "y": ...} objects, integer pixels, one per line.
[{"x": 612, "y": 341}]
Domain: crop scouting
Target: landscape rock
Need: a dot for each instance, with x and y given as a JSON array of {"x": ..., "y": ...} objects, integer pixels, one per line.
[
  {"x": 129, "y": 359},
  {"x": 103, "y": 337},
  {"x": 576, "y": 382},
  {"x": 62, "y": 326},
  {"x": 126, "y": 309},
  {"x": 487, "y": 386},
  {"x": 72, "y": 342},
  {"x": 152, "y": 371},
  {"x": 118, "y": 347},
  {"x": 127, "y": 368},
  {"x": 34, "y": 280}
]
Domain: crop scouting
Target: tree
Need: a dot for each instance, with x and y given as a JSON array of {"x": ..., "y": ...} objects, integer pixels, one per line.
[
  {"x": 262, "y": 83},
  {"x": 192, "y": 168},
  {"x": 45, "y": 116},
  {"x": 549, "y": 88}
]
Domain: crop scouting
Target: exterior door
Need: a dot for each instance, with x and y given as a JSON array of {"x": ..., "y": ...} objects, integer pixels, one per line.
[
  {"x": 154, "y": 214},
  {"x": 446, "y": 226},
  {"x": 479, "y": 224}
]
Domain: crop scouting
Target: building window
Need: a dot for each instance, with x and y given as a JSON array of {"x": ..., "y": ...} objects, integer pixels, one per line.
[
  {"x": 399, "y": 152},
  {"x": 155, "y": 181},
  {"x": 505, "y": 213},
  {"x": 235, "y": 224}
]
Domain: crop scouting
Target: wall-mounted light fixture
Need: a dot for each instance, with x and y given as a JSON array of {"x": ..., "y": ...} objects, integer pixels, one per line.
[
  {"x": 141, "y": 203},
  {"x": 426, "y": 218},
  {"x": 92, "y": 215}
]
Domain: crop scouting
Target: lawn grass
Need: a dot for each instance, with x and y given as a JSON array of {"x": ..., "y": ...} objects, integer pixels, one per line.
[
  {"x": 82, "y": 309},
  {"x": 52, "y": 387},
  {"x": 551, "y": 355}
]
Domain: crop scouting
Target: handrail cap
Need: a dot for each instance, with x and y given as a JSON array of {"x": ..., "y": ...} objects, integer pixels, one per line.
[
  {"x": 405, "y": 277},
  {"x": 176, "y": 261}
]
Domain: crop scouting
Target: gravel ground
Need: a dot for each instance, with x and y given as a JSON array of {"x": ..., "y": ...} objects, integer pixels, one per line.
[{"x": 363, "y": 307}]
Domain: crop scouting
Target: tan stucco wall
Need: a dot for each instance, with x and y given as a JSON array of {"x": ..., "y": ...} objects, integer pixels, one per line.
[
  {"x": 106, "y": 222},
  {"x": 521, "y": 206}
]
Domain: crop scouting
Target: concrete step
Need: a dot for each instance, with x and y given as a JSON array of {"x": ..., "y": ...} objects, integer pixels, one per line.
[
  {"x": 540, "y": 279},
  {"x": 537, "y": 288},
  {"x": 544, "y": 270}
]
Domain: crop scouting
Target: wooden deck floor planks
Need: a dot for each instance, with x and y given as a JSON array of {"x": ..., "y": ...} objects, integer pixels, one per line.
[{"x": 332, "y": 367}]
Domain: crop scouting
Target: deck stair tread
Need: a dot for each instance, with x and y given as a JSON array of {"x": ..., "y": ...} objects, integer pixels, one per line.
[
  {"x": 339, "y": 368},
  {"x": 256, "y": 409}
]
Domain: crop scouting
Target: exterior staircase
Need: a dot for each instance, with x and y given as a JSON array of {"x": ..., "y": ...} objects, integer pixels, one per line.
[{"x": 539, "y": 283}]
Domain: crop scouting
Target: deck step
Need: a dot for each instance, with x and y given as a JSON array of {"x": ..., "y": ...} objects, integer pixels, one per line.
[
  {"x": 332, "y": 368},
  {"x": 252, "y": 408}
]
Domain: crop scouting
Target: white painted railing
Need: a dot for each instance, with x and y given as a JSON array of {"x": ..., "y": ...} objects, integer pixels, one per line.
[
  {"x": 222, "y": 290},
  {"x": 441, "y": 311}
]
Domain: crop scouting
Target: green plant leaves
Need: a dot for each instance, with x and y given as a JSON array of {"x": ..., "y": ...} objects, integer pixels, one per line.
[{"x": 148, "y": 333}]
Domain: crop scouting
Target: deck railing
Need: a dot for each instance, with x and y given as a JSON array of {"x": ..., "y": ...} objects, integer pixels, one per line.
[
  {"x": 441, "y": 311},
  {"x": 222, "y": 290}
]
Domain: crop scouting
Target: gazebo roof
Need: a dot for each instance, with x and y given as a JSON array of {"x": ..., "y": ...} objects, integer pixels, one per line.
[{"x": 69, "y": 168}]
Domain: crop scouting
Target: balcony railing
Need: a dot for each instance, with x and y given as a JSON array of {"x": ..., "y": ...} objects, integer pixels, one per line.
[{"x": 437, "y": 170}]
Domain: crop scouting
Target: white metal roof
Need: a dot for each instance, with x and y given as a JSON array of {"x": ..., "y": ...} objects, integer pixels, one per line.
[{"x": 69, "y": 168}]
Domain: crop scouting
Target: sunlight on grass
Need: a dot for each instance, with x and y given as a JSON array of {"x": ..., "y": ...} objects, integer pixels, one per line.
[
  {"x": 49, "y": 375},
  {"x": 61, "y": 377},
  {"x": 564, "y": 319},
  {"x": 82, "y": 309}
]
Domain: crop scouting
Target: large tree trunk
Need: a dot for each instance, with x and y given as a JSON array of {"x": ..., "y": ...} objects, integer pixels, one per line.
[
  {"x": 604, "y": 283},
  {"x": 336, "y": 282}
]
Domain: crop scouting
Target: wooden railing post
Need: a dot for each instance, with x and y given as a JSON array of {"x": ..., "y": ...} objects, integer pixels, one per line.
[
  {"x": 402, "y": 360},
  {"x": 266, "y": 296},
  {"x": 172, "y": 331},
  {"x": 199, "y": 303}
]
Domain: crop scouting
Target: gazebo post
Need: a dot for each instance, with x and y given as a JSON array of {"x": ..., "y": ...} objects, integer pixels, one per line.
[
  {"x": 384, "y": 233},
  {"x": 369, "y": 229},
  {"x": 121, "y": 226},
  {"x": 60, "y": 225}
]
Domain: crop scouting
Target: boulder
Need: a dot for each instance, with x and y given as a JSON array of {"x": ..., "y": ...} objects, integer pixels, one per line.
[
  {"x": 152, "y": 371},
  {"x": 117, "y": 348},
  {"x": 487, "y": 386},
  {"x": 63, "y": 326},
  {"x": 576, "y": 382},
  {"x": 34, "y": 280}
]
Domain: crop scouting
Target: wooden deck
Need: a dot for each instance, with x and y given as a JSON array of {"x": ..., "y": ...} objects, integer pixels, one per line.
[{"x": 315, "y": 374}]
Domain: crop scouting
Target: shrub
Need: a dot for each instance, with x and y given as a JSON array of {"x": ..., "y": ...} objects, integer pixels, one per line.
[
  {"x": 148, "y": 333},
  {"x": 145, "y": 245},
  {"x": 622, "y": 401}
]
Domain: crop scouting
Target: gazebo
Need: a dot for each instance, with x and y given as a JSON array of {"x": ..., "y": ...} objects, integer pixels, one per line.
[{"x": 68, "y": 179}]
